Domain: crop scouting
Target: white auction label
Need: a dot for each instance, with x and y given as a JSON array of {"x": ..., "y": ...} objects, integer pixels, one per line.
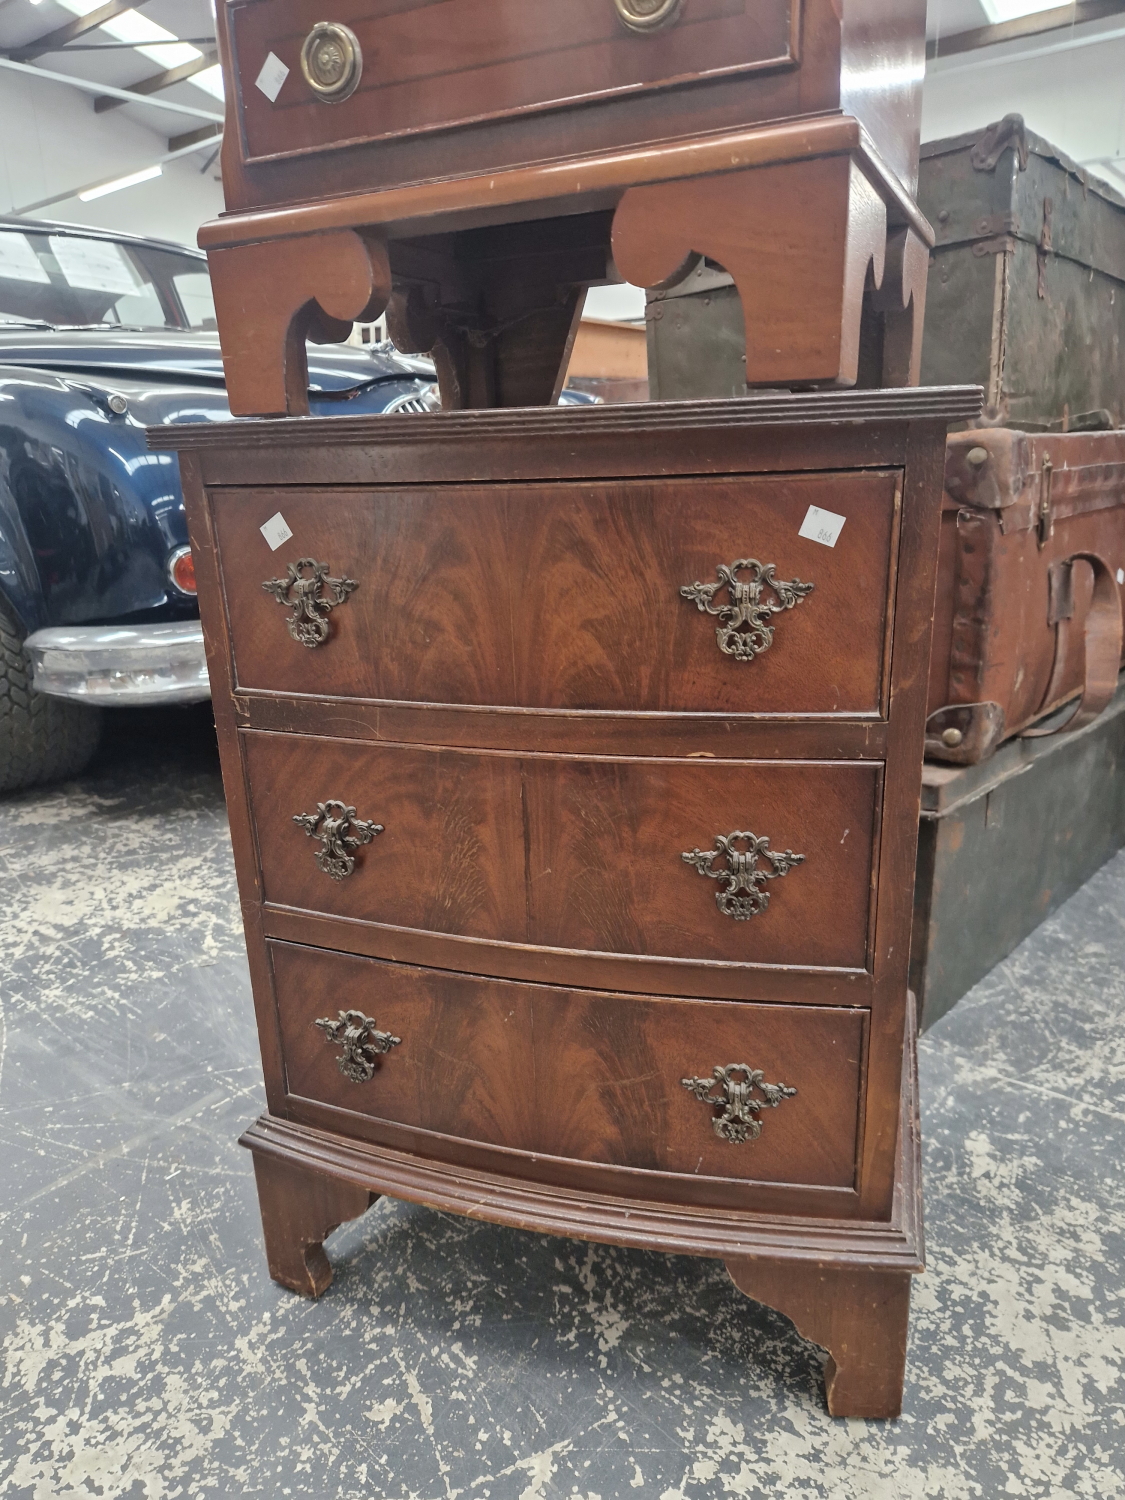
[
  {"x": 273, "y": 75},
  {"x": 276, "y": 530},
  {"x": 822, "y": 526}
]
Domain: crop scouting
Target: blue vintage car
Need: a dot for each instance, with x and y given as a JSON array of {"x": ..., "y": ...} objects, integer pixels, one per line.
[{"x": 101, "y": 336}]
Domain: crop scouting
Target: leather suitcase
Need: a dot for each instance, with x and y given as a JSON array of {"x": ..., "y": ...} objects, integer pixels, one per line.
[{"x": 1028, "y": 611}]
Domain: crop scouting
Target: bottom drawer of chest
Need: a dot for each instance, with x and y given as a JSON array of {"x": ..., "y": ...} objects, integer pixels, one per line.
[{"x": 579, "y": 1075}]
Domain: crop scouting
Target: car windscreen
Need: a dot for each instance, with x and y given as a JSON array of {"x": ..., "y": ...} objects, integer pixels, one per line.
[{"x": 69, "y": 280}]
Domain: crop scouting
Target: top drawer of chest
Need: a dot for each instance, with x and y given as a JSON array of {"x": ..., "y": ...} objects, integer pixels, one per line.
[
  {"x": 678, "y": 595},
  {"x": 383, "y": 69}
]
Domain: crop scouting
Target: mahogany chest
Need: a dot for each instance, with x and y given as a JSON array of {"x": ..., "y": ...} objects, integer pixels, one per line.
[
  {"x": 573, "y": 762},
  {"x": 472, "y": 167},
  {"x": 375, "y": 94}
]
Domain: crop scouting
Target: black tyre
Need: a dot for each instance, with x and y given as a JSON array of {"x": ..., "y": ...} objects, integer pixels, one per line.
[{"x": 41, "y": 739}]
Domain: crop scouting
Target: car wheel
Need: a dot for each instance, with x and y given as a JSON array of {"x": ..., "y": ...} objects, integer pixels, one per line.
[{"x": 41, "y": 739}]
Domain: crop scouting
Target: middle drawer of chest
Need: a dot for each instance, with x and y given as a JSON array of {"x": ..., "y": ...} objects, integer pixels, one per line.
[{"x": 737, "y": 861}]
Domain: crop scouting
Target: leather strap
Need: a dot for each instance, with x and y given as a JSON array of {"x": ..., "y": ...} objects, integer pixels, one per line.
[{"x": 1102, "y": 636}]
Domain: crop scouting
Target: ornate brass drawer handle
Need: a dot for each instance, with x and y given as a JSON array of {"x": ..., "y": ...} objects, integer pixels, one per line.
[
  {"x": 331, "y": 824},
  {"x": 744, "y": 894},
  {"x": 740, "y": 1109},
  {"x": 311, "y": 595},
  {"x": 744, "y": 631},
  {"x": 361, "y": 1042},
  {"x": 332, "y": 61},
  {"x": 647, "y": 15}
]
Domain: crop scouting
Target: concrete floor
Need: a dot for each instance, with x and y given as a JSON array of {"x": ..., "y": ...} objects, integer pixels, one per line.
[{"x": 147, "y": 1354}]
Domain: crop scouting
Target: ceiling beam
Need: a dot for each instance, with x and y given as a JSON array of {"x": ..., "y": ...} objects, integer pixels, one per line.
[
  {"x": 159, "y": 81},
  {"x": 89, "y": 86},
  {"x": 55, "y": 41},
  {"x": 192, "y": 138},
  {"x": 1013, "y": 31},
  {"x": 181, "y": 41}
]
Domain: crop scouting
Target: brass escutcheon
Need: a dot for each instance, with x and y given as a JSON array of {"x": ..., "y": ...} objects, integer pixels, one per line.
[
  {"x": 744, "y": 630},
  {"x": 339, "y": 831},
  {"x": 361, "y": 1043},
  {"x": 331, "y": 61},
  {"x": 310, "y": 596},
  {"x": 744, "y": 894},
  {"x": 647, "y": 15},
  {"x": 735, "y": 1097}
]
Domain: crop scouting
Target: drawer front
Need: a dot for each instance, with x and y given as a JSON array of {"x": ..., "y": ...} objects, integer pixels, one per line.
[
  {"x": 575, "y": 853},
  {"x": 434, "y": 64},
  {"x": 569, "y": 596},
  {"x": 576, "y": 1074}
]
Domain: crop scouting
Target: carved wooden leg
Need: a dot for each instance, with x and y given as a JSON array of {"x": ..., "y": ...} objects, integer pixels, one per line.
[
  {"x": 300, "y": 1210},
  {"x": 859, "y": 1316},
  {"x": 498, "y": 308},
  {"x": 415, "y": 326},
  {"x": 798, "y": 239},
  {"x": 492, "y": 357},
  {"x": 272, "y": 296},
  {"x": 533, "y": 351},
  {"x": 902, "y": 302}
]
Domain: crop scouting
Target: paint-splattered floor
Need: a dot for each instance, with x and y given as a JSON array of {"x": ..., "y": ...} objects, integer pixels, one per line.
[{"x": 146, "y": 1353}]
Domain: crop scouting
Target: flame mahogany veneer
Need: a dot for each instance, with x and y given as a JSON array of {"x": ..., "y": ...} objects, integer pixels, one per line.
[{"x": 482, "y": 748}]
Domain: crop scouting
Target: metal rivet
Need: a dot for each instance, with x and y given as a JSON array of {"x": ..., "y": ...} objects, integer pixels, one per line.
[
  {"x": 977, "y": 457},
  {"x": 951, "y": 738}
]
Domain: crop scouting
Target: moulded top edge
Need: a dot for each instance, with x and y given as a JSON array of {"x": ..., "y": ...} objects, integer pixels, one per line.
[{"x": 908, "y": 404}]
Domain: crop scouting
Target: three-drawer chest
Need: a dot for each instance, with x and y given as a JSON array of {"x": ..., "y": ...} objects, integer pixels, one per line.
[{"x": 573, "y": 761}]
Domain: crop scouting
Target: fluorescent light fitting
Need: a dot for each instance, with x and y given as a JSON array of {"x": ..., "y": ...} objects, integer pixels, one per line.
[
  {"x": 145, "y": 175},
  {"x": 999, "y": 11}
]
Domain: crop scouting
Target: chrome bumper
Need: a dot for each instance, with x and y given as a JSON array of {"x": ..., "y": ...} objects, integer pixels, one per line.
[{"x": 117, "y": 666}]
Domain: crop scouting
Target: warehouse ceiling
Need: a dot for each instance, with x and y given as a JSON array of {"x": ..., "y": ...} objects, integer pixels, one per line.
[
  {"x": 162, "y": 51},
  {"x": 93, "y": 93}
]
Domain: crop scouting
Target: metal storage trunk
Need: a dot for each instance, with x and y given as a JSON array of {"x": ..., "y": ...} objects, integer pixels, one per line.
[
  {"x": 1027, "y": 280},
  {"x": 1004, "y": 843}
]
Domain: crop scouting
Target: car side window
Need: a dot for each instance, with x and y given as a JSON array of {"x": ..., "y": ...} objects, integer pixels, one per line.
[
  {"x": 113, "y": 285},
  {"x": 194, "y": 291}
]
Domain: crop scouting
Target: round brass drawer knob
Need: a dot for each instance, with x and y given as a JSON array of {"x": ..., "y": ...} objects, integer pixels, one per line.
[
  {"x": 647, "y": 15},
  {"x": 331, "y": 61}
]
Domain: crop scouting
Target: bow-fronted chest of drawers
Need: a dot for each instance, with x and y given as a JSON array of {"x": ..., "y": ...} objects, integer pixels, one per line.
[{"x": 573, "y": 760}]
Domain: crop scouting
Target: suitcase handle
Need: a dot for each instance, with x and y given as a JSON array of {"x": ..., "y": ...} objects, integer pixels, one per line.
[{"x": 1102, "y": 636}]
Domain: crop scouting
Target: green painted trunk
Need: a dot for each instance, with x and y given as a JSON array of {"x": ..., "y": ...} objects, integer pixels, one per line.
[{"x": 1027, "y": 280}]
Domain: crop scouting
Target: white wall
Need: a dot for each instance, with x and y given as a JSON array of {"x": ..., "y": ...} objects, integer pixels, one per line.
[
  {"x": 51, "y": 141},
  {"x": 1074, "y": 96}
]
